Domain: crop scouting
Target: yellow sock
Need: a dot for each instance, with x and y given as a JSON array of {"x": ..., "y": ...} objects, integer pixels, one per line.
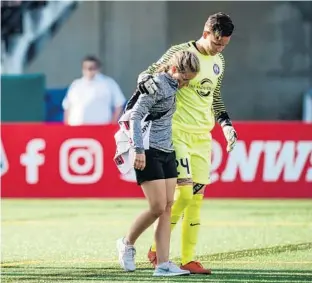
[
  {"x": 190, "y": 228},
  {"x": 182, "y": 198}
]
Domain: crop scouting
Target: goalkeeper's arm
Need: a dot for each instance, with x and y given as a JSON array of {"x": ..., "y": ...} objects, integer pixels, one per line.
[
  {"x": 228, "y": 130},
  {"x": 222, "y": 116},
  {"x": 152, "y": 69}
]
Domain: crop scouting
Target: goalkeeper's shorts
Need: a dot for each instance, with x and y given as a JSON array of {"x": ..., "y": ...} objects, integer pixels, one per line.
[{"x": 193, "y": 154}]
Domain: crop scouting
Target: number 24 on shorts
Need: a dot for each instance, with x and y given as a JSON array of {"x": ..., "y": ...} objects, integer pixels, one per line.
[{"x": 183, "y": 164}]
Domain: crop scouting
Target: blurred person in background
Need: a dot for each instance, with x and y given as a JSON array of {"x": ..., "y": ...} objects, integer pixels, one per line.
[
  {"x": 94, "y": 99},
  {"x": 198, "y": 106},
  {"x": 155, "y": 163}
]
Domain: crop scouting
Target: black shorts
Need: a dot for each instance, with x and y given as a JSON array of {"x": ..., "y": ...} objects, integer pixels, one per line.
[{"x": 159, "y": 165}]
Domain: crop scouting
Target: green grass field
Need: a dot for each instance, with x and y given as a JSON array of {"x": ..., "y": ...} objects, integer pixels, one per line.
[{"x": 74, "y": 241}]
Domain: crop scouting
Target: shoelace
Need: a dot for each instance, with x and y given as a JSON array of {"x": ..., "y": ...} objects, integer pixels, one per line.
[
  {"x": 130, "y": 251},
  {"x": 170, "y": 263}
]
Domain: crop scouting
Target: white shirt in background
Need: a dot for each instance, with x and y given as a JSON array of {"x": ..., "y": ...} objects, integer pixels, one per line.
[{"x": 92, "y": 102}]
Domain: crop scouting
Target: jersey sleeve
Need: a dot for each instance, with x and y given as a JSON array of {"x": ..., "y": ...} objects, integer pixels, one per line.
[
  {"x": 218, "y": 104},
  {"x": 164, "y": 59},
  {"x": 144, "y": 103}
]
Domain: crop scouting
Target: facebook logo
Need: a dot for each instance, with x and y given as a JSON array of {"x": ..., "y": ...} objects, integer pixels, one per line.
[{"x": 32, "y": 159}]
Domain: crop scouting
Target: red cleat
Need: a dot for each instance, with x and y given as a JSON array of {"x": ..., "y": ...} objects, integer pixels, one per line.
[
  {"x": 195, "y": 267},
  {"x": 152, "y": 257}
]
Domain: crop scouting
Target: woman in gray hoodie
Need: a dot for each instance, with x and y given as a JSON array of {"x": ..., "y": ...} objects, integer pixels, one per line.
[{"x": 155, "y": 162}]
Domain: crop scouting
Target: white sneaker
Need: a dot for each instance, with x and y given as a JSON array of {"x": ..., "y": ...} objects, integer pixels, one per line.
[
  {"x": 169, "y": 269},
  {"x": 126, "y": 255}
]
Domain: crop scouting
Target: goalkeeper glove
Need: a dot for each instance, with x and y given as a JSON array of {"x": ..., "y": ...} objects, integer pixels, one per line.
[
  {"x": 230, "y": 136},
  {"x": 147, "y": 85}
]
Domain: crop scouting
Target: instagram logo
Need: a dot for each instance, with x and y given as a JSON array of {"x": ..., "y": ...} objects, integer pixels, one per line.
[{"x": 81, "y": 161}]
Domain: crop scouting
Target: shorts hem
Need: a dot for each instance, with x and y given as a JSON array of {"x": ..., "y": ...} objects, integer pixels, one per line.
[{"x": 154, "y": 179}]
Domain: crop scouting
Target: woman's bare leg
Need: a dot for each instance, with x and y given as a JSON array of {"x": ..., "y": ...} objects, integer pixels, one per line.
[
  {"x": 155, "y": 193},
  {"x": 163, "y": 231}
]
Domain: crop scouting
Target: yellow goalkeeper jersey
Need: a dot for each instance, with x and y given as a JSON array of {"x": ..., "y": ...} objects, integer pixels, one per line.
[{"x": 200, "y": 102}]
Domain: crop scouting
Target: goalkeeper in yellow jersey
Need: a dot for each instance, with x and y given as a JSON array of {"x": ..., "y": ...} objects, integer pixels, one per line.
[{"x": 198, "y": 106}]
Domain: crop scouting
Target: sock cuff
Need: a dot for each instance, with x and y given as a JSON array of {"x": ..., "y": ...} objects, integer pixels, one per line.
[
  {"x": 185, "y": 187},
  {"x": 186, "y": 191}
]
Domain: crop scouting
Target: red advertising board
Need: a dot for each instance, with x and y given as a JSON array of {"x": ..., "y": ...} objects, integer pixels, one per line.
[{"x": 40, "y": 160}]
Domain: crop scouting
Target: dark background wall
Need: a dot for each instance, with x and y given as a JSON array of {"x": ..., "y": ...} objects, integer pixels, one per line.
[
  {"x": 268, "y": 63},
  {"x": 22, "y": 98}
]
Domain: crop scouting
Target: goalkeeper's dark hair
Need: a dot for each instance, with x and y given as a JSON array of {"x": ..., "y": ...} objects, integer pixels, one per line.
[
  {"x": 94, "y": 59},
  {"x": 184, "y": 61},
  {"x": 220, "y": 24}
]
